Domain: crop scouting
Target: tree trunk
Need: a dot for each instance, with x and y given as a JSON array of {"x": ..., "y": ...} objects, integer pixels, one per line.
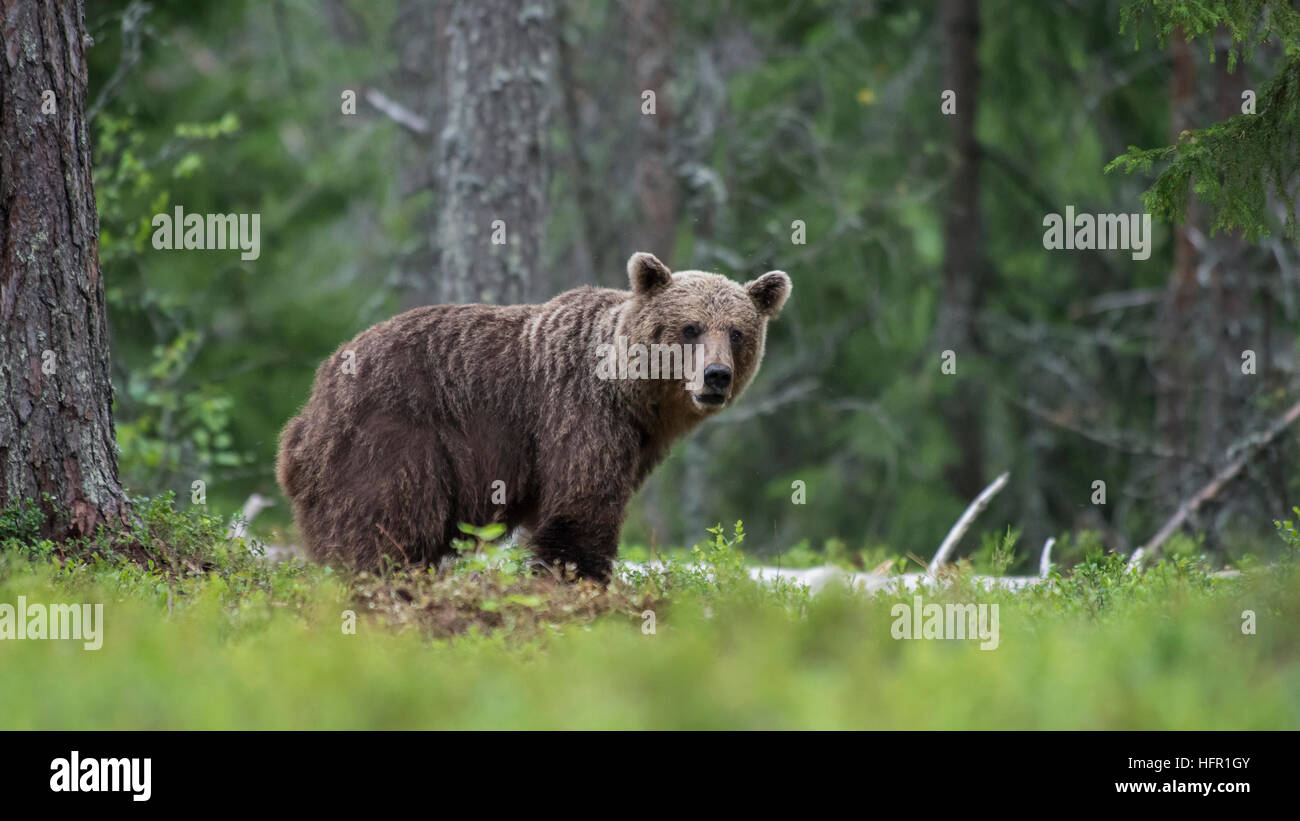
[
  {"x": 1176, "y": 367},
  {"x": 963, "y": 265},
  {"x": 1228, "y": 396},
  {"x": 655, "y": 178},
  {"x": 56, "y": 425},
  {"x": 650, "y": 59},
  {"x": 497, "y": 60},
  {"x": 418, "y": 49}
]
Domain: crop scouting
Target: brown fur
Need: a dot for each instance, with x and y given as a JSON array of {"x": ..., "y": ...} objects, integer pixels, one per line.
[{"x": 447, "y": 399}]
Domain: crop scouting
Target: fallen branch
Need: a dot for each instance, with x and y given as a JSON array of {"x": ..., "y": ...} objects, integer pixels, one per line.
[
  {"x": 396, "y": 112},
  {"x": 1045, "y": 560},
  {"x": 1221, "y": 479},
  {"x": 959, "y": 529},
  {"x": 254, "y": 505}
]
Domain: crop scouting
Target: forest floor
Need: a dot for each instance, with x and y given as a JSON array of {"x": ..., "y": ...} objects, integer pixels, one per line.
[{"x": 206, "y": 634}]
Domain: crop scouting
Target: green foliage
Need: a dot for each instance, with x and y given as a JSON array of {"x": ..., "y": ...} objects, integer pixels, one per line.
[
  {"x": 1290, "y": 535},
  {"x": 1104, "y": 588},
  {"x": 172, "y": 428},
  {"x": 713, "y": 567},
  {"x": 482, "y": 551},
  {"x": 245, "y": 644},
  {"x": 173, "y": 561},
  {"x": 21, "y": 521},
  {"x": 1248, "y": 22},
  {"x": 1231, "y": 166},
  {"x": 212, "y": 353},
  {"x": 801, "y": 554},
  {"x": 172, "y": 424},
  {"x": 720, "y": 554},
  {"x": 1003, "y": 551}
]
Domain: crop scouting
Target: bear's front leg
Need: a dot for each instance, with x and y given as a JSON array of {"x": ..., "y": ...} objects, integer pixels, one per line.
[
  {"x": 586, "y": 475},
  {"x": 582, "y": 537}
]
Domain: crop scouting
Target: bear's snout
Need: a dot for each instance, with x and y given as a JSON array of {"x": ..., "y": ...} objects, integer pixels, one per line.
[
  {"x": 717, "y": 384},
  {"x": 717, "y": 378}
]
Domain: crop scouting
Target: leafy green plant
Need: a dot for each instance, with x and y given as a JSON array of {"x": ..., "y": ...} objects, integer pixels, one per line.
[
  {"x": 1234, "y": 166},
  {"x": 22, "y": 520},
  {"x": 1290, "y": 536}
]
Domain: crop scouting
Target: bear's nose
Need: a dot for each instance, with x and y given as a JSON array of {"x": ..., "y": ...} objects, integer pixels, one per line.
[{"x": 717, "y": 377}]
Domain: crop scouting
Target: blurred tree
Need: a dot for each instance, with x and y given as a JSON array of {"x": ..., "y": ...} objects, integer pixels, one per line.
[
  {"x": 964, "y": 271},
  {"x": 651, "y": 56},
  {"x": 1202, "y": 404},
  {"x": 56, "y": 425},
  {"x": 1218, "y": 186},
  {"x": 493, "y": 158},
  {"x": 1175, "y": 360}
]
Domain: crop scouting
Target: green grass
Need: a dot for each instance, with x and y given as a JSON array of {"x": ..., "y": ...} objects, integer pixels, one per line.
[{"x": 207, "y": 636}]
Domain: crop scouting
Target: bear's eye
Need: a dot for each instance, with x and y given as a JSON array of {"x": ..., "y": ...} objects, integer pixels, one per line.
[
  {"x": 736, "y": 337},
  {"x": 691, "y": 331}
]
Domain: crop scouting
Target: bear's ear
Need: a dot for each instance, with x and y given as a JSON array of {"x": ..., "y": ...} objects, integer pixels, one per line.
[
  {"x": 769, "y": 292},
  {"x": 647, "y": 274}
]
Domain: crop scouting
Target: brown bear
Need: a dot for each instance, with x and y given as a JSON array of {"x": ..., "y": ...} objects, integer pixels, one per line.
[{"x": 516, "y": 414}]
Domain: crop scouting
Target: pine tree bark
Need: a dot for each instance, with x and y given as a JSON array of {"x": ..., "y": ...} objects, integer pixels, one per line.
[
  {"x": 1176, "y": 366},
  {"x": 963, "y": 264},
  {"x": 56, "y": 424},
  {"x": 492, "y": 157},
  {"x": 654, "y": 178},
  {"x": 650, "y": 60},
  {"x": 1203, "y": 402}
]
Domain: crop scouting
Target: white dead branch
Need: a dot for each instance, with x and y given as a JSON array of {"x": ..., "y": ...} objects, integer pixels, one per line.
[
  {"x": 1045, "y": 560},
  {"x": 253, "y": 505},
  {"x": 397, "y": 112},
  {"x": 958, "y": 530},
  {"x": 1221, "y": 479}
]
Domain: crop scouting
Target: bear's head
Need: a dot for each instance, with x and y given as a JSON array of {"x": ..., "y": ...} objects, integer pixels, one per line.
[{"x": 715, "y": 326}]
